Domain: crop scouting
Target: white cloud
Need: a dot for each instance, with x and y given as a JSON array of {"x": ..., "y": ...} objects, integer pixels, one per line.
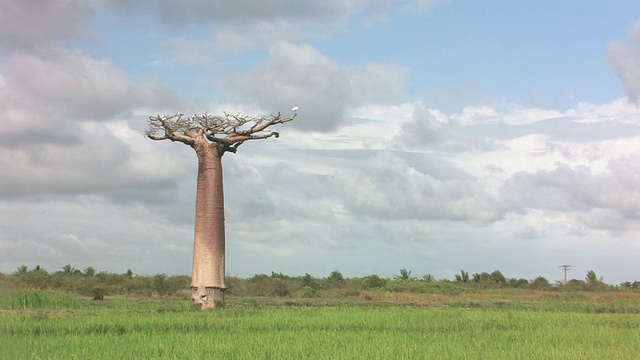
[
  {"x": 241, "y": 25},
  {"x": 51, "y": 147},
  {"x": 238, "y": 37},
  {"x": 50, "y": 142},
  {"x": 425, "y": 128},
  {"x": 176, "y": 13},
  {"x": 237, "y": 26},
  {"x": 376, "y": 83},
  {"x": 86, "y": 231},
  {"x": 365, "y": 179},
  {"x": 31, "y": 23},
  {"x": 301, "y": 75},
  {"x": 626, "y": 60},
  {"x": 67, "y": 84},
  {"x": 340, "y": 197}
]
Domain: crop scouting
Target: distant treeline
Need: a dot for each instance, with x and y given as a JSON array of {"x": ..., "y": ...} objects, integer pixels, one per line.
[{"x": 89, "y": 282}]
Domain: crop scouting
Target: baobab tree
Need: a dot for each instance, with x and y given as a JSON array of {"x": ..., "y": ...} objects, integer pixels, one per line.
[{"x": 211, "y": 137}]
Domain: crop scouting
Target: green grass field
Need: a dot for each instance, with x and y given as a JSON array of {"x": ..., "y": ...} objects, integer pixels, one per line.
[{"x": 172, "y": 329}]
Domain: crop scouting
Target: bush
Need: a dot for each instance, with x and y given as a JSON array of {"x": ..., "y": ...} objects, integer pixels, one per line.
[
  {"x": 310, "y": 281},
  {"x": 540, "y": 283},
  {"x": 160, "y": 284},
  {"x": 519, "y": 283},
  {"x": 373, "y": 282},
  {"x": 265, "y": 286},
  {"x": 497, "y": 277}
]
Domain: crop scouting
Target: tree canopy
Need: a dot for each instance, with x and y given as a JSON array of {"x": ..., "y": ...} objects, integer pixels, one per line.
[{"x": 228, "y": 131}]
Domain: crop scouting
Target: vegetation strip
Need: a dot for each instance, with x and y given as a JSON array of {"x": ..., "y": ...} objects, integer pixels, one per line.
[
  {"x": 169, "y": 329},
  {"x": 60, "y": 316}
]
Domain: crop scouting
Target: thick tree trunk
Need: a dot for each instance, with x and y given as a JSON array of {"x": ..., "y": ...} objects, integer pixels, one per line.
[
  {"x": 211, "y": 136},
  {"x": 207, "y": 282}
]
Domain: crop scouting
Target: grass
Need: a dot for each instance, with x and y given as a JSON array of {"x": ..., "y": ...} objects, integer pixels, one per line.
[
  {"x": 172, "y": 329},
  {"x": 39, "y": 299}
]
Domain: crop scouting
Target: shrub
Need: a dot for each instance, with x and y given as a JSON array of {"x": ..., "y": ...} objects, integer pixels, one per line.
[
  {"x": 310, "y": 281},
  {"x": 540, "y": 283},
  {"x": 373, "y": 282},
  {"x": 336, "y": 276},
  {"x": 497, "y": 277},
  {"x": 265, "y": 286},
  {"x": 160, "y": 284}
]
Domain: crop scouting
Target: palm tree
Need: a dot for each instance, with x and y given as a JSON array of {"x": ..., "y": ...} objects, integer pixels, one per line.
[
  {"x": 404, "y": 275},
  {"x": 592, "y": 278},
  {"x": 129, "y": 274},
  {"x": 89, "y": 271},
  {"x": 211, "y": 137},
  {"x": 462, "y": 277},
  {"x": 428, "y": 278},
  {"x": 22, "y": 269},
  {"x": 477, "y": 278},
  {"x": 68, "y": 269}
]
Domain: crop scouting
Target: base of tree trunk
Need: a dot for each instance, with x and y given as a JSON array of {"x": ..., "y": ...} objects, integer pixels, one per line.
[{"x": 210, "y": 298}]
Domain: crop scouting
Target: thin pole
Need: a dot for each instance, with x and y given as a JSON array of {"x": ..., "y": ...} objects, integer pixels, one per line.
[{"x": 565, "y": 267}]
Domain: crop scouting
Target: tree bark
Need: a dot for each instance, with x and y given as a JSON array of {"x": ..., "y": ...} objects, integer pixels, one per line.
[{"x": 207, "y": 281}]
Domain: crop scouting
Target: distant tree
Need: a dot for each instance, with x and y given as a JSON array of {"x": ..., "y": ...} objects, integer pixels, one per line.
[
  {"x": 280, "y": 288},
  {"x": 22, "y": 269},
  {"x": 483, "y": 277},
  {"x": 497, "y": 277},
  {"x": 462, "y": 277},
  {"x": 211, "y": 137},
  {"x": 68, "y": 269},
  {"x": 477, "y": 278},
  {"x": 160, "y": 284},
  {"x": 540, "y": 283},
  {"x": 576, "y": 284},
  {"x": 336, "y": 276},
  {"x": 629, "y": 285},
  {"x": 89, "y": 271},
  {"x": 259, "y": 277},
  {"x": 310, "y": 281},
  {"x": 404, "y": 275},
  {"x": 373, "y": 282},
  {"x": 129, "y": 274},
  {"x": 335, "y": 279},
  {"x": 38, "y": 278},
  {"x": 279, "y": 275},
  {"x": 592, "y": 278},
  {"x": 428, "y": 278},
  {"x": 519, "y": 283}
]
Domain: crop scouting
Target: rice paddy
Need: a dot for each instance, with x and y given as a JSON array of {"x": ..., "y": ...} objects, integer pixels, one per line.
[{"x": 172, "y": 329}]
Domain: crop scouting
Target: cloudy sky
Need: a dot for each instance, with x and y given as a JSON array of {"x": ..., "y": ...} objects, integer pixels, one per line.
[{"x": 432, "y": 135}]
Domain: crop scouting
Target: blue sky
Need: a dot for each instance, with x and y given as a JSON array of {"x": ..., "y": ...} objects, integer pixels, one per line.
[
  {"x": 432, "y": 135},
  {"x": 539, "y": 54}
]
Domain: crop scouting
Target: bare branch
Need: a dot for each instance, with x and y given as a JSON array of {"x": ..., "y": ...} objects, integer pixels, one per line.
[
  {"x": 265, "y": 136},
  {"x": 229, "y": 131},
  {"x": 172, "y": 127}
]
